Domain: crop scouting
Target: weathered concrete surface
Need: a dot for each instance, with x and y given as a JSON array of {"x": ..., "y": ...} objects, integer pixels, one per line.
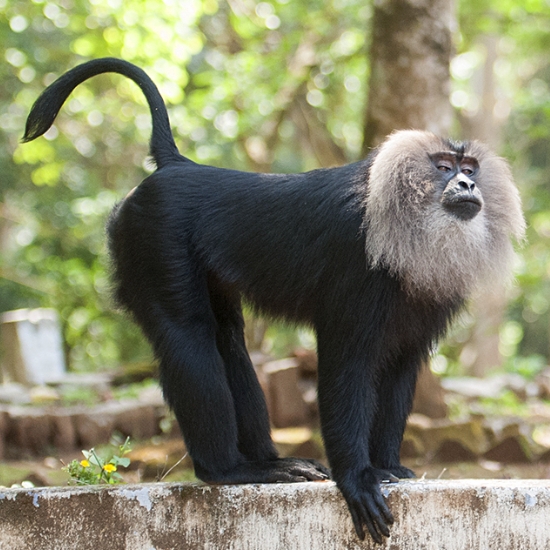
[{"x": 432, "y": 515}]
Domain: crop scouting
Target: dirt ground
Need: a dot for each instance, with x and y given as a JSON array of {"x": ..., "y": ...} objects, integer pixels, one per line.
[{"x": 161, "y": 460}]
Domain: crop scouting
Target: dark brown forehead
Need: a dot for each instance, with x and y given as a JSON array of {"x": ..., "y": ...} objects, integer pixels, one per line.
[
  {"x": 468, "y": 159},
  {"x": 456, "y": 157}
]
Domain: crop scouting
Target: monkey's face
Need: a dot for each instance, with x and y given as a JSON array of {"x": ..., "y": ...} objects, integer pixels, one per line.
[
  {"x": 460, "y": 195},
  {"x": 426, "y": 220}
]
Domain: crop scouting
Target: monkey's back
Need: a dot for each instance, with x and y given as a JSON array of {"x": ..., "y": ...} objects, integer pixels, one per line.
[{"x": 304, "y": 227}]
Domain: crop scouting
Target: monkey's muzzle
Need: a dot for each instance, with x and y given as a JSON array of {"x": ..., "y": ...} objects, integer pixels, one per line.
[{"x": 463, "y": 204}]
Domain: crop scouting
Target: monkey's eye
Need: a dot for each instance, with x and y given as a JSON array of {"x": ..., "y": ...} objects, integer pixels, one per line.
[
  {"x": 467, "y": 171},
  {"x": 444, "y": 168}
]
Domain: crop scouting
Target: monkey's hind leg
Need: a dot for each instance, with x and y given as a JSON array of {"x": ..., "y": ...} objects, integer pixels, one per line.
[
  {"x": 254, "y": 437},
  {"x": 176, "y": 313},
  {"x": 182, "y": 329}
]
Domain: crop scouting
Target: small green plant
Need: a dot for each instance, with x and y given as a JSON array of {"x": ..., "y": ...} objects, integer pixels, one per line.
[{"x": 93, "y": 469}]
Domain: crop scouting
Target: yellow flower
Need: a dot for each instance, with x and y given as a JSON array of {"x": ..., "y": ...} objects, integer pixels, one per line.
[
  {"x": 84, "y": 463},
  {"x": 109, "y": 468}
]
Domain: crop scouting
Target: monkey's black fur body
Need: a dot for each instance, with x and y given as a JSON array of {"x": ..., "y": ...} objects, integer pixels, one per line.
[{"x": 191, "y": 241}]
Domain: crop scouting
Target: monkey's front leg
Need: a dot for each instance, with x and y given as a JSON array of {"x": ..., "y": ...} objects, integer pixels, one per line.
[
  {"x": 347, "y": 403},
  {"x": 395, "y": 393}
]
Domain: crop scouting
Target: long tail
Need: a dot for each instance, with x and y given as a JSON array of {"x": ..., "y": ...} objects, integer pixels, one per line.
[{"x": 45, "y": 109}]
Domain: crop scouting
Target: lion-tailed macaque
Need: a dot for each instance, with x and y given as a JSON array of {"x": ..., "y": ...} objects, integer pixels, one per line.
[{"x": 376, "y": 256}]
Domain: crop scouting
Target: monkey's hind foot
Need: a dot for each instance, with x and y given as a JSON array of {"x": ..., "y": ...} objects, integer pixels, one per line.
[
  {"x": 280, "y": 470},
  {"x": 399, "y": 472}
]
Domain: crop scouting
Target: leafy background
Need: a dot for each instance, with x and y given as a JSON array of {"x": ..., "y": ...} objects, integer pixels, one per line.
[{"x": 275, "y": 85}]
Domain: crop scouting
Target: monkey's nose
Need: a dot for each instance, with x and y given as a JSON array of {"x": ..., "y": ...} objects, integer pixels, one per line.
[{"x": 466, "y": 184}]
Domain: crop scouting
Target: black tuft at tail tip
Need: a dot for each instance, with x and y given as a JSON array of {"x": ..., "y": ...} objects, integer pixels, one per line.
[
  {"x": 27, "y": 137},
  {"x": 32, "y": 131}
]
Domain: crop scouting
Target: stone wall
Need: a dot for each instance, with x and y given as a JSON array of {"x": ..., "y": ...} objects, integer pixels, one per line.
[{"x": 430, "y": 515}]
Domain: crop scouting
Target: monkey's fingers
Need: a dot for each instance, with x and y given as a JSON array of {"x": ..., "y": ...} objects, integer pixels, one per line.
[
  {"x": 372, "y": 528},
  {"x": 390, "y": 478},
  {"x": 281, "y": 470},
  {"x": 378, "y": 511},
  {"x": 310, "y": 469},
  {"x": 396, "y": 473},
  {"x": 366, "y": 512},
  {"x": 367, "y": 505},
  {"x": 357, "y": 518}
]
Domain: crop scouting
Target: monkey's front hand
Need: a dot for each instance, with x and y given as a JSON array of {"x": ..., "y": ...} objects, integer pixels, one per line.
[{"x": 361, "y": 489}]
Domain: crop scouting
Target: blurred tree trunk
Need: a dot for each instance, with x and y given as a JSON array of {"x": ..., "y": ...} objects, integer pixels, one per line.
[
  {"x": 481, "y": 353},
  {"x": 409, "y": 88},
  {"x": 410, "y": 54}
]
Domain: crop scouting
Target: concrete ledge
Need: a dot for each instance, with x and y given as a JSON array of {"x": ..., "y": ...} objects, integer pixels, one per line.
[{"x": 434, "y": 515}]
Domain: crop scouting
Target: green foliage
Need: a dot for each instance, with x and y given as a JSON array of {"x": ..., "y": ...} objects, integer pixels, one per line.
[
  {"x": 280, "y": 338},
  {"x": 520, "y": 32},
  {"x": 133, "y": 391},
  {"x": 247, "y": 84},
  {"x": 95, "y": 470},
  {"x": 242, "y": 82},
  {"x": 506, "y": 404},
  {"x": 528, "y": 367},
  {"x": 79, "y": 395}
]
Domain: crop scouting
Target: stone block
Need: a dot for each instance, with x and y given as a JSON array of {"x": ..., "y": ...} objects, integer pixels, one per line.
[
  {"x": 137, "y": 421},
  {"x": 29, "y": 431},
  {"x": 285, "y": 402},
  {"x": 64, "y": 434},
  {"x": 32, "y": 346},
  {"x": 93, "y": 428}
]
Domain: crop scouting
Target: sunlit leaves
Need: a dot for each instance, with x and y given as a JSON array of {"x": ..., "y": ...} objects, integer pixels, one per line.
[
  {"x": 243, "y": 81},
  {"x": 522, "y": 75}
]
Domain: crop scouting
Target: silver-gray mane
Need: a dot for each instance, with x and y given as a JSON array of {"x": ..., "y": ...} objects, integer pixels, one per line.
[{"x": 410, "y": 233}]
